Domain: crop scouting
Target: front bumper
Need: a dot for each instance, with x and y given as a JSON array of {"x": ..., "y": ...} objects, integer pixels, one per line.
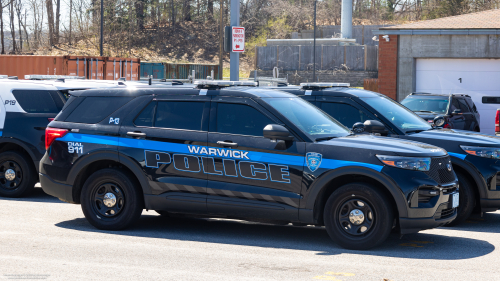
[
  {"x": 62, "y": 191},
  {"x": 413, "y": 225},
  {"x": 428, "y": 202}
]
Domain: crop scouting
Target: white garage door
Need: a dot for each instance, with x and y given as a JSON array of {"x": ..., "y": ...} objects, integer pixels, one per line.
[{"x": 474, "y": 77}]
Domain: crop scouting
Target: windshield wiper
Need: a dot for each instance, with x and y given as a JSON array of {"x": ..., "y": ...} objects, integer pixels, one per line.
[
  {"x": 424, "y": 111},
  {"x": 324, "y": 138},
  {"x": 415, "y": 131}
]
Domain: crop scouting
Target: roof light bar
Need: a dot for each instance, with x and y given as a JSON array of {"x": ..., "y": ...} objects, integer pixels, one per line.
[
  {"x": 51, "y": 77},
  {"x": 323, "y": 85},
  {"x": 222, "y": 83}
]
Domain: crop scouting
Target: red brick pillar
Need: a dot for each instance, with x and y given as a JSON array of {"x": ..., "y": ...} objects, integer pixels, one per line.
[{"x": 388, "y": 66}]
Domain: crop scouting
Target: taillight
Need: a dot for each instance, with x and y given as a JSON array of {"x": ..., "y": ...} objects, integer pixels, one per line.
[
  {"x": 446, "y": 126},
  {"x": 497, "y": 119},
  {"x": 51, "y": 119},
  {"x": 52, "y": 134}
]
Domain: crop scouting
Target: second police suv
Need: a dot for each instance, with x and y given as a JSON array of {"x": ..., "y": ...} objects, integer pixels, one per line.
[
  {"x": 239, "y": 152},
  {"x": 474, "y": 156}
]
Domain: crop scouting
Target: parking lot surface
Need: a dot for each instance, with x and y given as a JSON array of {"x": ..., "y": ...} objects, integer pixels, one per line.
[{"x": 44, "y": 238}]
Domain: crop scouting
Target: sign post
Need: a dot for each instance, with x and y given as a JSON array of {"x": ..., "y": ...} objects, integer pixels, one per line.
[{"x": 234, "y": 66}]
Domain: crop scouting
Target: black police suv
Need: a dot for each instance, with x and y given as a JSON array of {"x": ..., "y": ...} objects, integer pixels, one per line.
[
  {"x": 25, "y": 110},
  {"x": 240, "y": 152},
  {"x": 458, "y": 110},
  {"x": 474, "y": 156}
]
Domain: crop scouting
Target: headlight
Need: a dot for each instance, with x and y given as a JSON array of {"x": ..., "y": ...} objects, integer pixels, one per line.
[
  {"x": 487, "y": 152},
  {"x": 409, "y": 163}
]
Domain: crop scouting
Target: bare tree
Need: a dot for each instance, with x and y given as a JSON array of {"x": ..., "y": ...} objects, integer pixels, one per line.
[{"x": 50, "y": 21}]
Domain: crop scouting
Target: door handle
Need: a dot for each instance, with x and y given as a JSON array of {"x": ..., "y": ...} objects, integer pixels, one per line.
[
  {"x": 136, "y": 134},
  {"x": 227, "y": 143}
]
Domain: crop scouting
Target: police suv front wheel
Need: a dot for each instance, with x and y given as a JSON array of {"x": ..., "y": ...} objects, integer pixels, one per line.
[
  {"x": 358, "y": 216},
  {"x": 110, "y": 200},
  {"x": 17, "y": 177}
]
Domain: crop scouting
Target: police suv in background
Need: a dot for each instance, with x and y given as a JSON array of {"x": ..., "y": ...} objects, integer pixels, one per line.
[
  {"x": 26, "y": 109},
  {"x": 239, "y": 152},
  {"x": 475, "y": 156}
]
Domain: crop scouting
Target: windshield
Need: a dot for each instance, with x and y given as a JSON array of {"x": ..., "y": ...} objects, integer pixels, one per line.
[
  {"x": 400, "y": 116},
  {"x": 425, "y": 104},
  {"x": 308, "y": 118}
]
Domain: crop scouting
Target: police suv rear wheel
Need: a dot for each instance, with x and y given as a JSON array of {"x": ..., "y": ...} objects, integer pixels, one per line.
[
  {"x": 358, "y": 217},
  {"x": 17, "y": 177},
  {"x": 466, "y": 201},
  {"x": 110, "y": 200}
]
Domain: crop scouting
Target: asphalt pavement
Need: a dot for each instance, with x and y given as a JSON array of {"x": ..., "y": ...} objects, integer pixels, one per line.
[{"x": 42, "y": 238}]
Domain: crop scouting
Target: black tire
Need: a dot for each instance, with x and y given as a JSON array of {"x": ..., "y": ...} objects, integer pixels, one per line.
[
  {"x": 129, "y": 201},
  {"x": 24, "y": 176},
  {"x": 466, "y": 201},
  {"x": 344, "y": 231}
]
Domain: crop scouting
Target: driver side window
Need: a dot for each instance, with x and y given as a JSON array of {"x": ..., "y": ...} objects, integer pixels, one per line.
[{"x": 240, "y": 119}]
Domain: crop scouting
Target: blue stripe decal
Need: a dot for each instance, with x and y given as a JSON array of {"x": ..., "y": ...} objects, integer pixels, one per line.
[
  {"x": 1, "y": 133},
  {"x": 182, "y": 148},
  {"x": 334, "y": 164},
  {"x": 458, "y": 155},
  {"x": 90, "y": 139}
]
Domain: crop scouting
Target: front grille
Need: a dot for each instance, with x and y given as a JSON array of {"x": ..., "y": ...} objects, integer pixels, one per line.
[
  {"x": 439, "y": 170},
  {"x": 443, "y": 212}
]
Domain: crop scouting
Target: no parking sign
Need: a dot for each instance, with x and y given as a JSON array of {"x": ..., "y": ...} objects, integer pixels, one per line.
[{"x": 238, "y": 39}]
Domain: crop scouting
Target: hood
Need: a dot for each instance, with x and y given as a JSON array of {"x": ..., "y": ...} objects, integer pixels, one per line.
[
  {"x": 455, "y": 138},
  {"x": 385, "y": 145}
]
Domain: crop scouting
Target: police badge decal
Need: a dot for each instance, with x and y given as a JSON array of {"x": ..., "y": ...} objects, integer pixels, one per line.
[{"x": 313, "y": 160}]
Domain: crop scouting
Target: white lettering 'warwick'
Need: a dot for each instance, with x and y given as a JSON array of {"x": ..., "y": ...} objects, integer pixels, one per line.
[{"x": 222, "y": 152}]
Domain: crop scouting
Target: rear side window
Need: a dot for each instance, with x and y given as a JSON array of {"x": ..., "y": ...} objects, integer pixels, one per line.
[
  {"x": 179, "y": 115},
  {"x": 463, "y": 106},
  {"x": 147, "y": 115},
  {"x": 94, "y": 109},
  {"x": 344, "y": 113},
  {"x": 471, "y": 105},
  {"x": 36, "y": 101}
]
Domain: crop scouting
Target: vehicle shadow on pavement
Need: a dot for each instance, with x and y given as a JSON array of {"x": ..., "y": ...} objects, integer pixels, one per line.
[
  {"x": 416, "y": 246},
  {"x": 37, "y": 195},
  {"x": 489, "y": 222}
]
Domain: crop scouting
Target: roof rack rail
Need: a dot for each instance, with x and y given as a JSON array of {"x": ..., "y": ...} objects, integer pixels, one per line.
[
  {"x": 51, "y": 77},
  {"x": 205, "y": 84},
  {"x": 464, "y": 95},
  {"x": 420, "y": 93},
  {"x": 309, "y": 86}
]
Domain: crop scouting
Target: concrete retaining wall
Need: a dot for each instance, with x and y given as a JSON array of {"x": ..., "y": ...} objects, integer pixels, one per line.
[{"x": 357, "y": 58}]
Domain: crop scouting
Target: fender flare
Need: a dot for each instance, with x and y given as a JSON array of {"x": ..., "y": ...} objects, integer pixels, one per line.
[
  {"x": 320, "y": 184},
  {"x": 111, "y": 155},
  {"x": 478, "y": 180}
]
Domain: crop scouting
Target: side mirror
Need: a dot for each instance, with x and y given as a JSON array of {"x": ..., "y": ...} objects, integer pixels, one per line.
[
  {"x": 439, "y": 121},
  {"x": 457, "y": 111},
  {"x": 277, "y": 132},
  {"x": 358, "y": 128},
  {"x": 375, "y": 127}
]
